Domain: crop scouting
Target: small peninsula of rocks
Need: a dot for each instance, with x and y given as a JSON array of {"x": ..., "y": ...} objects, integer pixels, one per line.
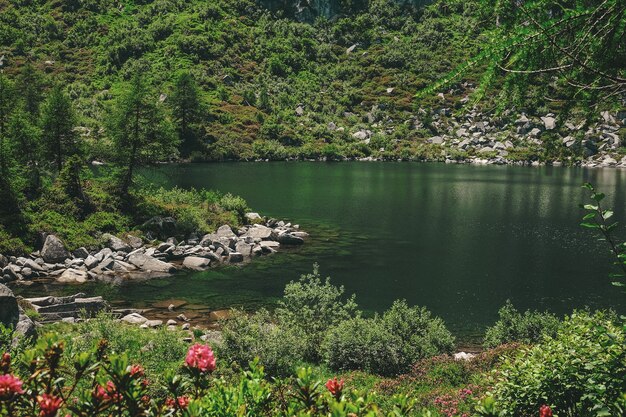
[{"x": 131, "y": 258}]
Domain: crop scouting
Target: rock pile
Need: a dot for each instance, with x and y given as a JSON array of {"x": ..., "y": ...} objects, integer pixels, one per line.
[{"x": 130, "y": 258}]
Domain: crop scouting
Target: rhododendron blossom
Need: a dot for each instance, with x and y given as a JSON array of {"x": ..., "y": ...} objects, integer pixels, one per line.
[
  {"x": 545, "y": 411},
  {"x": 183, "y": 402},
  {"x": 10, "y": 385},
  {"x": 335, "y": 387},
  {"x": 49, "y": 405},
  {"x": 200, "y": 357},
  {"x": 137, "y": 371}
]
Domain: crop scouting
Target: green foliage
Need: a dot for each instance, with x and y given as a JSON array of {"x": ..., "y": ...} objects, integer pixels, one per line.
[
  {"x": 246, "y": 337},
  {"x": 58, "y": 120},
  {"x": 389, "y": 344},
  {"x": 580, "y": 371},
  {"x": 528, "y": 328},
  {"x": 310, "y": 307}
]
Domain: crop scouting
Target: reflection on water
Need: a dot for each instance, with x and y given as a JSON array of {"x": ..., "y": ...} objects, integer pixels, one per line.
[{"x": 458, "y": 239}]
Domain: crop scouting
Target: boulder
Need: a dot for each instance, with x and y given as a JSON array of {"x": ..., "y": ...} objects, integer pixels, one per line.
[
  {"x": 134, "y": 241},
  {"x": 253, "y": 217},
  {"x": 53, "y": 250},
  {"x": 235, "y": 257},
  {"x": 25, "y": 327},
  {"x": 81, "y": 253},
  {"x": 197, "y": 263},
  {"x": 244, "y": 248},
  {"x": 258, "y": 231},
  {"x": 437, "y": 140},
  {"x": 225, "y": 231},
  {"x": 289, "y": 239},
  {"x": 73, "y": 276},
  {"x": 134, "y": 318},
  {"x": 3, "y": 261},
  {"x": 9, "y": 311},
  {"x": 146, "y": 262},
  {"x": 90, "y": 262},
  {"x": 115, "y": 243},
  {"x": 549, "y": 122}
]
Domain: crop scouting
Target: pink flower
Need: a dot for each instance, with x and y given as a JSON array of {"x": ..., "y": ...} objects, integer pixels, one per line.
[
  {"x": 335, "y": 387},
  {"x": 10, "y": 385},
  {"x": 137, "y": 371},
  {"x": 49, "y": 405},
  {"x": 180, "y": 402},
  {"x": 200, "y": 357},
  {"x": 545, "y": 411},
  {"x": 5, "y": 363}
]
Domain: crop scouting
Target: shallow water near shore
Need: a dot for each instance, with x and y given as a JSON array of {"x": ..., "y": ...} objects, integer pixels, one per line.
[{"x": 458, "y": 239}]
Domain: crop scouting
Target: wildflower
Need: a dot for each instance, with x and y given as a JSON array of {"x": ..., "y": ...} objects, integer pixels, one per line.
[
  {"x": 200, "y": 357},
  {"x": 335, "y": 387},
  {"x": 545, "y": 411},
  {"x": 137, "y": 371},
  {"x": 49, "y": 405},
  {"x": 10, "y": 385},
  {"x": 99, "y": 394},
  {"x": 180, "y": 402}
]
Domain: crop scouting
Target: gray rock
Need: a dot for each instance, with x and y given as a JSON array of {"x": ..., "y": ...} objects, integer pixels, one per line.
[
  {"x": 134, "y": 241},
  {"x": 197, "y": 263},
  {"x": 145, "y": 262},
  {"x": 3, "y": 261},
  {"x": 115, "y": 243},
  {"x": 134, "y": 318},
  {"x": 53, "y": 250},
  {"x": 81, "y": 253},
  {"x": 258, "y": 231},
  {"x": 235, "y": 257},
  {"x": 153, "y": 324},
  {"x": 289, "y": 239},
  {"x": 437, "y": 140},
  {"x": 33, "y": 265},
  {"x": 162, "y": 227},
  {"x": 225, "y": 231},
  {"x": 25, "y": 327},
  {"x": 299, "y": 111},
  {"x": 244, "y": 248},
  {"x": 351, "y": 48},
  {"x": 73, "y": 276},
  {"x": 253, "y": 216},
  {"x": 9, "y": 311},
  {"x": 549, "y": 122},
  {"x": 90, "y": 262}
]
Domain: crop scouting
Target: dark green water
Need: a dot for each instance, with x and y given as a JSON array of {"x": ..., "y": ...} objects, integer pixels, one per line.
[{"x": 458, "y": 239}]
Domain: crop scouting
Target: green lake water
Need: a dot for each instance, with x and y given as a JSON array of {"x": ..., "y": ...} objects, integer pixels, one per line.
[{"x": 458, "y": 239}]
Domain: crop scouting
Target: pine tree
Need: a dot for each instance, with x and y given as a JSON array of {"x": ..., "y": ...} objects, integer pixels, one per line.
[
  {"x": 58, "y": 121},
  {"x": 7, "y": 103},
  {"x": 140, "y": 131},
  {"x": 25, "y": 148},
  {"x": 29, "y": 88},
  {"x": 186, "y": 109}
]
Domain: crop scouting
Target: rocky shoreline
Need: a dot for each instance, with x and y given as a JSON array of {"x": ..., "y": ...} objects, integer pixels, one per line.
[
  {"x": 130, "y": 258},
  {"x": 507, "y": 139}
]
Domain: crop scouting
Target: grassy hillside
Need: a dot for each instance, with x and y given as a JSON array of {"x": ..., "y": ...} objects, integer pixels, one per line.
[{"x": 268, "y": 84}]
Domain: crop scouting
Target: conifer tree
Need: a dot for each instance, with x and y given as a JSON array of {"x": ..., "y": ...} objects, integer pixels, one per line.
[
  {"x": 187, "y": 110},
  {"x": 58, "y": 122}
]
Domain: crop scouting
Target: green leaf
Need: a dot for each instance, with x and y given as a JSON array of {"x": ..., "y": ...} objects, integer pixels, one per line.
[
  {"x": 590, "y": 207},
  {"x": 588, "y": 186},
  {"x": 598, "y": 196},
  {"x": 589, "y": 225},
  {"x": 589, "y": 216},
  {"x": 618, "y": 284},
  {"x": 607, "y": 214}
]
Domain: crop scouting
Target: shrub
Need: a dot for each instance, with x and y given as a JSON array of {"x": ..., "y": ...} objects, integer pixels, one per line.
[
  {"x": 513, "y": 326},
  {"x": 362, "y": 343},
  {"x": 310, "y": 307},
  {"x": 420, "y": 334},
  {"x": 389, "y": 344},
  {"x": 581, "y": 371},
  {"x": 246, "y": 337}
]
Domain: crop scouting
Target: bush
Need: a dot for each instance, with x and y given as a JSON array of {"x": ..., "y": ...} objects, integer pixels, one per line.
[
  {"x": 581, "y": 371},
  {"x": 310, "y": 307},
  {"x": 246, "y": 337},
  {"x": 389, "y": 344},
  {"x": 513, "y": 326},
  {"x": 420, "y": 334},
  {"x": 365, "y": 344}
]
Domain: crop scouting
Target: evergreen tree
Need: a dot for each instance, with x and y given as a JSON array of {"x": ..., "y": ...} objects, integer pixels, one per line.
[
  {"x": 25, "y": 149},
  {"x": 58, "y": 121},
  {"x": 29, "y": 88},
  {"x": 140, "y": 131},
  {"x": 7, "y": 98},
  {"x": 187, "y": 110}
]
